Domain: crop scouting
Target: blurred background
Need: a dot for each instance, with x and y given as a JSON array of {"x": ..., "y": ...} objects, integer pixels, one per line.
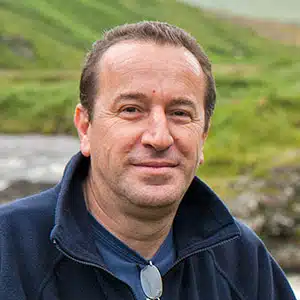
[{"x": 253, "y": 151}]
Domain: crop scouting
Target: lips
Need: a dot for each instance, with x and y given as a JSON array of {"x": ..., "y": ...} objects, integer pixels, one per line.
[{"x": 157, "y": 164}]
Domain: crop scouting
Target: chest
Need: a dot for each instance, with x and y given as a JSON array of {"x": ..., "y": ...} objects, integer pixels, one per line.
[{"x": 193, "y": 279}]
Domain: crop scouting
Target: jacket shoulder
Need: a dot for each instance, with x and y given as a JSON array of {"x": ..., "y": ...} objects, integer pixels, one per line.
[
  {"x": 32, "y": 208},
  {"x": 26, "y": 252},
  {"x": 30, "y": 218},
  {"x": 248, "y": 235},
  {"x": 243, "y": 252},
  {"x": 247, "y": 257}
]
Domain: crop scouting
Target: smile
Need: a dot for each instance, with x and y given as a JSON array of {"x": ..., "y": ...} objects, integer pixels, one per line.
[{"x": 157, "y": 164}]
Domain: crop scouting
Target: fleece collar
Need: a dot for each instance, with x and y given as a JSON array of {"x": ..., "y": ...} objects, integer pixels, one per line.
[{"x": 202, "y": 220}]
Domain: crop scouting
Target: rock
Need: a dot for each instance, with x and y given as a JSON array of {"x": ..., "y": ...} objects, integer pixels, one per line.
[
  {"x": 294, "y": 280},
  {"x": 256, "y": 222},
  {"x": 245, "y": 204},
  {"x": 286, "y": 252},
  {"x": 279, "y": 225},
  {"x": 22, "y": 188},
  {"x": 271, "y": 206}
]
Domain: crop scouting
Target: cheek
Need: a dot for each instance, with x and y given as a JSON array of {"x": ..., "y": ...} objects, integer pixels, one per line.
[
  {"x": 189, "y": 142},
  {"x": 114, "y": 136}
]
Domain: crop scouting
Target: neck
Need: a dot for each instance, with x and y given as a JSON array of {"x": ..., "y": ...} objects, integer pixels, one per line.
[{"x": 143, "y": 229}]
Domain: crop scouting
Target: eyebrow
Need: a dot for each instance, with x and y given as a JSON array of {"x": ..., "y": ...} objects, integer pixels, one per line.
[
  {"x": 184, "y": 102},
  {"x": 130, "y": 96}
]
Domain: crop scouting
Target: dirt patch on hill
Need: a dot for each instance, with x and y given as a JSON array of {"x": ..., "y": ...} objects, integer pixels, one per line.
[{"x": 283, "y": 32}]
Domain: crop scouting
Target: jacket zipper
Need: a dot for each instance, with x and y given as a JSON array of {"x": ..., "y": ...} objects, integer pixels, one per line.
[
  {"x": 89, "y": 264},
  {"x": 175, "y": 263}
]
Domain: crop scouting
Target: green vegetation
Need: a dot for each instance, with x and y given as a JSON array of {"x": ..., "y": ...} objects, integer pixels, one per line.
[{"x": 256, "y": 124}]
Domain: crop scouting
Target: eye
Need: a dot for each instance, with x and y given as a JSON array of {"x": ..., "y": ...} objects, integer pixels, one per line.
[
  {"x": 130, "y": 109},
  {"x": 130, "y": 112},
  {"x": 181, "y": 115}
]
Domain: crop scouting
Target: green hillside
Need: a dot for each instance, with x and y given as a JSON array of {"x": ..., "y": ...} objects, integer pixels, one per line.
[
  {"x": 55, "y": 34},
  {"x": 43, "y": 42}
]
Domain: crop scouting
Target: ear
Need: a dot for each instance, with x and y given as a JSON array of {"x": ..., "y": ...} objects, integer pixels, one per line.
[
  {"x": 204, "y": 137},
  {"x": 82, "y": 123},
  {"x": 201, "y": 158}
]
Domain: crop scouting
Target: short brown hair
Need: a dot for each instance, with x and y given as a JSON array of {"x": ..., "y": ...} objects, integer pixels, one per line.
[{"x": 148, "y": 31}]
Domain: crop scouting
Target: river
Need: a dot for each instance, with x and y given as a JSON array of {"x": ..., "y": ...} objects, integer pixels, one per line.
[{"x": 41, "y": 160}]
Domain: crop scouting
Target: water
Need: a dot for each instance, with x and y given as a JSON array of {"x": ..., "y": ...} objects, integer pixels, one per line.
[
  {"x": 42, "y": 159},
  {"x": 286, "y": 11},
  {"x": 34, "y": 158}
]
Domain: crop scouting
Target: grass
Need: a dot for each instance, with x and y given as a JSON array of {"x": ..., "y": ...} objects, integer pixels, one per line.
[
  {"x": 255, "y": 125},
  {"x": 56, "y": 34},
  {"x": 256, "y": 122}
]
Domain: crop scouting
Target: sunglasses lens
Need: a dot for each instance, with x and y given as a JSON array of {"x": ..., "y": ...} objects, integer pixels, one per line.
[{"x": 151, "y": 282}]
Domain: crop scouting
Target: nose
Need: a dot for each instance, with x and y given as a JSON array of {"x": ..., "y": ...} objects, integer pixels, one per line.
[{"x": 157, "y": 135}]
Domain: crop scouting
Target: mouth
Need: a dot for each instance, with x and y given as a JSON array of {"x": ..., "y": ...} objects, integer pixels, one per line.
[{"x": 157, "y": 164}]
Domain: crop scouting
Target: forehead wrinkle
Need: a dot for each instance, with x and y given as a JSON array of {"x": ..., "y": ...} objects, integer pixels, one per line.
[
  {"x": 193, "y": 62},
  {"x": 191, "y": 75}
]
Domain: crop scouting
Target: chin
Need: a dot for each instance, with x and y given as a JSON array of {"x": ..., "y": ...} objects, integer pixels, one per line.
[
  {"x": 156, "y": 196},
  {"x": 154, "y": 202}
]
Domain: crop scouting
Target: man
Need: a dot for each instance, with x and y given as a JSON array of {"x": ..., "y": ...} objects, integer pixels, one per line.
[{"x": 129, "y": 219}]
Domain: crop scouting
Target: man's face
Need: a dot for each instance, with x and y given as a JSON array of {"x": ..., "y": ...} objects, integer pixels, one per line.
[{"x": 146, "y": 137}]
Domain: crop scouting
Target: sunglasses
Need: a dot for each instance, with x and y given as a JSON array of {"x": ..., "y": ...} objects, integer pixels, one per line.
[{"x": 151, "y": 282}]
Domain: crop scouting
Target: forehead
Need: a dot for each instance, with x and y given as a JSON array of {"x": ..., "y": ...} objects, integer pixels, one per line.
[
  {"x": 148, "y": 64},
  {"x": 126, "y": 52}
]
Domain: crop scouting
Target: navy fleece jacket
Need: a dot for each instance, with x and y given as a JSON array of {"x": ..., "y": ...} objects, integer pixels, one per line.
[{"x": 47, "y": 250}]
